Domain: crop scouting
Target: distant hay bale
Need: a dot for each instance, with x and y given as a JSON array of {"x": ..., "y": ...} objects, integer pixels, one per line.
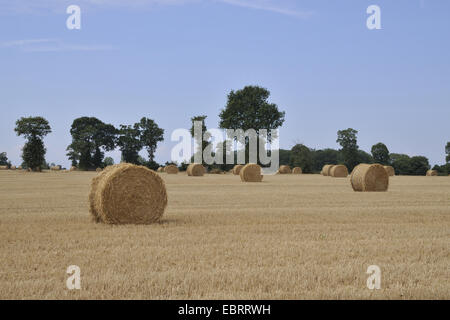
[
  {"x": 19, "y": 168},
  {"x": 171, "y": 169},
  {"x": 390, "y": 170},
  {"x": 297, "y": 170},
  {"x": 160, "y": 169},
  {"x": 73, "y": 168},
  {"x": 13, "y": 168},
  {"x": 3, "y": 167},
  {"x": 98, "y": 170},
  {"x": 251, "y": 173},
  {"x": 338, "y": 171},
  {"x": 195, "y": 170},
  {"x": 325, "y": 169},
  {"x": 237, "y": 169},
  {"x": 285, "y": 170},
  {"x": 432, "y": 173},
  {"x": 216, "y": 171},
  {"x": 55, "y": 168},
  {"x": 369, "y": 177},
  {"x": 127, "y": 194}
]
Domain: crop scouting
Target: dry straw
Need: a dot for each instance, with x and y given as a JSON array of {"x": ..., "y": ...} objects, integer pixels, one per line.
[
  {"x": 126, "y": 193},
  {"x": 3, "y": 167},
  {"x": 13, "y": 168},
  {"x": 55, "y": 168},
  {"x": 369, "y": 177},
  {"x": 195, "y": 170},
  {"x": 297, "y": 170},
  {"x": 285, "y": 169},
  {"x": 390, "y": 170},
  {"x": 237, "y": 169},
  {"x": 339, "y": 171},
  {"x": 432, "y": 173},
  {"x": 171, "y": 169},
  {"x": 325, "y": 169},
  {"x": 251, "y": 173},
  {"x": 73, "y": 168},
  {"x": 160, "y": 169}
]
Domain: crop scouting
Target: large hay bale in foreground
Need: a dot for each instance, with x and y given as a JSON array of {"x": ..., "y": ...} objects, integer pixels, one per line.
[
  {"x": 285, "y": 169},
  {"x": 127, "y": 194},
  {"x": 251, "y": 173},
  {"x": 3, "y": 167},
  {"x": 297, "y": 170},
  {"x": 171, "y": 169},
  {"x": 369, "y": 177},
  {"x": 325, "y": 169},
  {"x": 237, "y": 169},
  {"x": 160, "y": 169},
  {"x": 338, "y": 171},
  {"x": 195, "y": 170},
  {"x": 432, "y": 173},
  {"x": 55, "y": 168},
  {"x": 390, "y": 170}
]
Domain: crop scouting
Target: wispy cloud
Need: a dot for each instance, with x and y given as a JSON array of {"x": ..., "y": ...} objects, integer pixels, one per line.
[
  {"x": 51, "y": 45},
  {"x": 272, "y": 6}
]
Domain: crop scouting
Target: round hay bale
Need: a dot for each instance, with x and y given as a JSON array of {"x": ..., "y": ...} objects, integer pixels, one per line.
[
  {"x": 432, "y": 173},
  {"x": 160, "y": 169},
  {"x": 19, "y": 168},
  {"x": 285, "y": 169},
  {"x": 73, "y": 168},
  {"x": 297, "y": 170},
  {"x": 13, "y": 168},
  {"x": 369, "y": 177},
  {"x": 195, "y": 170},
  {"x": 251, "y": 173},
  {"x": 98, "y": 170},
  {"x": 171, "y": 169},
  {"x": 3, "y": 167},
  {"x": 338, "y": 171},
  {"x": 325, "y": 169},
  {"x": 127, "y": 194},
  {"x": 237, "y": 169},
  {"x": 390, "y": 170},
  {"x": 55, "y": 168}
]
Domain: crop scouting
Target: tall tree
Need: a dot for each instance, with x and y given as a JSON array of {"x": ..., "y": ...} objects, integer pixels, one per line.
[
  {"x": 3, "y": 159},
  {"x": 201, "y": 141},
  {"x": 90, "y": 139},
  {"x": 249, "y": 108},
  {"x": 419, "y": 165},
  {"x": 447, "y": 151},
  {"x": 349, "y": 143},
  {"x": 301, "y": 156},
  {"x": 380, "y": 153},
  {"x": 129, "y": 142},
  {"x": 151, "y": 134},
  {"x": 323, "y": 157},
  {"x": 34, "y": 129}
]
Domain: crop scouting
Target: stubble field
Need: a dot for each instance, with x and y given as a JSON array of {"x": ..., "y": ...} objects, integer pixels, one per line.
[{"x": 289, "y": 237}]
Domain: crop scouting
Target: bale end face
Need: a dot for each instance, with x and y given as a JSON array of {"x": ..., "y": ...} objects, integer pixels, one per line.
[
  {"x": 251, "y": 173},
  {"x": 237, "y": 169},
  {"x": 325, "y": 169},
  {"x": 195, "y": 170},
  {"x": 171, "y": 169},
  {"x": 369, "y": 177},
  {"x": 285, "y": 169},
  {"x": 297, "y": 170},
  {"x": 339, "y": 171},
  {"x": 431, "y": 173}
]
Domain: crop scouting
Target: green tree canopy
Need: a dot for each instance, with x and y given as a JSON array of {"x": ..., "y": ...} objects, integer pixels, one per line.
[
  {"x": 151, "y": 134},
  {"x": 301, "y": 156},
  {"x": 447, "y": 151},
  {"x": 325, "y": 156},
  {"x": 129, "y": 142},
  {"x": 3, "y": 159},
  {"x": 380, "y": 153},
  {"x": 348, "y": 141}
]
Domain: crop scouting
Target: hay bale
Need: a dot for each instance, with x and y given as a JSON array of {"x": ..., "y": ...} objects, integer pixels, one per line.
[
  {"x": 3, "y": 167},
  {"x": 338, "y": 171},
  {"x": 297, "y": 170},
  {"x": 285, "y": 170},
  {"x": 369, "y": 177},
  {"x": 390, "y": 170},
  {"x": 325, "y": 169},
  {"x": 98, "y": 170},
  {"x": 160, "y": 169},
  {"x": 432, "y": 173},
  {"x": 13, "y": 168},
  {"x": 73, "y": 168},
  {"x": 126, "y": 193},
  {"x": 237, "y": 169},
  {"x": 55, "y": 168},
  {"x": 251, "y": 173},
  {"x": 19, "y": 168},
  {"x": 171, "y": 169},
  {"x": 195, "y": 170}
]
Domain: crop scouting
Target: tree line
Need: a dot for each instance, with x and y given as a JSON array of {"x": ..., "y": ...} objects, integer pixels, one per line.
[{"x": 247, "y": 108}]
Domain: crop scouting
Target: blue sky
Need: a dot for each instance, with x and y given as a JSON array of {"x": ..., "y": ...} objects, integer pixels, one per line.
[{"x": 171, "y": 60}]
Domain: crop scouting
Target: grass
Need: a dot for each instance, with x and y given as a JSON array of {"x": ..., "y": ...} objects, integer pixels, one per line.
[{"x": 289, "y": 237}]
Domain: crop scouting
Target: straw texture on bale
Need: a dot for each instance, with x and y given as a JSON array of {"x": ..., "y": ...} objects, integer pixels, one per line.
[
  {"x": 339, "y": 171},
  {"x": 390, "y": 170},
  {"x": 285, "y": 170},
  {"x": 297, "y": 170},
  {"x": 237, "y": 169},
  {"x": 432, "y": 173},
  {"x": 195, "y": 170},
  {"x": 127, "y": 194},
  {"x": 55, "y": 168},
  {"x": 251, "y": 173},
  {"x": 160, "y": 169},
  {"x": 171, "y": 169},
  {"x": 13, "y": 168},
  {"x": 369, "y": 177},
  {"x": 3, "y": 167},
  {"x": 73, "y": 168},
  {"x": 325, "y": 169}
]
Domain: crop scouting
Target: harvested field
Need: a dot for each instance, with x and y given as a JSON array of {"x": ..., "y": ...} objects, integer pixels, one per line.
[{"x": 288, "y": 237}]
